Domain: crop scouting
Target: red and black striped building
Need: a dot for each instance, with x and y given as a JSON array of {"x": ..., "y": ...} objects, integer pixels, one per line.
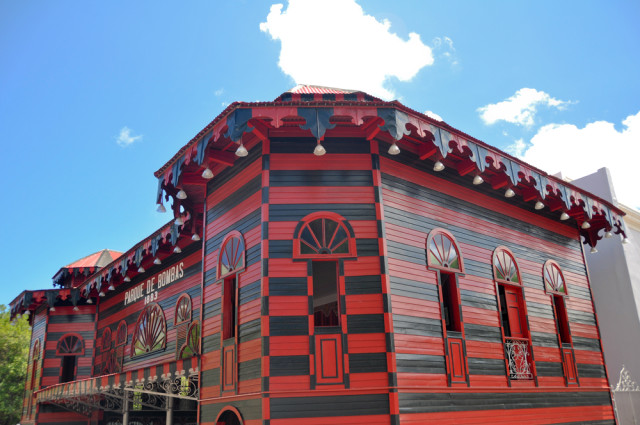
[{"x": 333, "y": 258}]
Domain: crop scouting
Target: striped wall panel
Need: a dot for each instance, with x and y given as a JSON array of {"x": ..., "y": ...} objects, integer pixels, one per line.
[
  {"x": 233, "y": 204},
  {"x": 416, "y": 200}
]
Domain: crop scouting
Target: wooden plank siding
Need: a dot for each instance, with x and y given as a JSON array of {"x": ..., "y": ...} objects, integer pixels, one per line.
[
  {"x": 38, "y": 333},
  {"x": 298, "y": 185},
  {"x": 234, "y": 199},
  {"x": 416, "y": 200},
  {"x": 114, "y": 308}
]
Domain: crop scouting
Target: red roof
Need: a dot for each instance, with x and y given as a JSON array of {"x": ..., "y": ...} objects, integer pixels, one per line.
[
  {"x": 307, "y": 89},
  {"x": 97, "y": 259}
]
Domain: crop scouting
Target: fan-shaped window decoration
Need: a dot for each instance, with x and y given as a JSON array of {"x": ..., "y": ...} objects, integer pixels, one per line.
[
  {"x": 553, "y": 278},
  {"x": 183, "y": 310},
  {"x": 192, "y": 346},
  {"x": 505, "y": 268},
  {"x": 231, "y": 257},
  {"x": 324, "y": 234},
  {"x": 443, "y": 252},
  {"x": 70, "y": 345},
  {"x": 150, "y": 333}
]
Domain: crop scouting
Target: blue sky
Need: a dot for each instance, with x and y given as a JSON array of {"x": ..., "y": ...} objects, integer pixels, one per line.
[{"x": 95, "y": 96}]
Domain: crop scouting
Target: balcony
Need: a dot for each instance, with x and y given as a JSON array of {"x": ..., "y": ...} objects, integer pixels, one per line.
[{"x": 519, "y": 358}]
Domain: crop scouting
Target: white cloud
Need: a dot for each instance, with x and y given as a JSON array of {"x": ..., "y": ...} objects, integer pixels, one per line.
[
  {"x": 444, "y": 45},
  {"x": 125, "y": 138},
  {"x": 433, "y": 115},
  {"x": 335, "y": 43},
  {"x": 219, "y": 92},
  {"x": 518, "y": 148},
  {"x": 577, "y": 152},
  {"x": 520, "y": 108}
]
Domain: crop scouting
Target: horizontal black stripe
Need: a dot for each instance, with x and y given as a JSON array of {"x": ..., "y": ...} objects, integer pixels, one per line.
[
  {"x": 367, "y": 247},
  {"x": 329, "y": 406},
  {"x": 296, "y": 212},
  {"x": 243, "y": 225},
  {"x": 249, "y": 331},
  {"x": 281, "y": 286},
  {"x": 72, "y": 318},
  {"x": 251, "y": 369},
  {"x": 367, "y": 362},
  {"x": 420, "y": 363},
  {"x": 289, "y": 365},
  {"x": 412, "y": 289},
  {"x": 288, "y": 325},
  {"x": 411, "y": 325},
  {"x": 307, "y": 178},
  {"x": 581, "y": 343},
  {"x": 249, "y": 292},
  {"x": 416, "y": 222},
  {"x": 457, "y": 402},
  {"x": 306, "y": 145},
  {"x": 549, "y": 369},
  {"x": 222, "y": 206},
  {"x": 591, "y": 370},
  {"x": 358, "y": 285},
  {"x": 543, "y": 339},
  {"x": 480, "y": 366},
  {"x": 365, "y": 323},
  {"x": 482, "y": 333},
  {"x": 478, "y": 300},
  {"x": 211, "y": 377}
]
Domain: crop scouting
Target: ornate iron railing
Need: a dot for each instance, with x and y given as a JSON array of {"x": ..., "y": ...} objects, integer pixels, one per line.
[{"x": 519, "y": 358}]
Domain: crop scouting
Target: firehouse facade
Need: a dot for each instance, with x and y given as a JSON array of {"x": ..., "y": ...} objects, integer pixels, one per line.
[{"x": 333, "y": 258}]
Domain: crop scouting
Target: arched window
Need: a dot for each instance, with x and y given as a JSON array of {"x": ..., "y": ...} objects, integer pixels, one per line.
[
  {"x": 325, "y": 238},
  {"x": 443, "y": 257},
  {"x": 182, "y": 318},
  {"x": 183, "y": 310},
  {"x": 443, "y": 252},
  {"x": 513, "y": 314},
  {"x": 69, "y": 347},
  {"x": 555, "y": 286},
  {"x": 231, "y": 257},
  {"x": 121, "y": 341},
  {"x": 192, "y": 345},
  {"x": 150, "y": 332},
  {"x": 324, "y": 233},
  {"x": 231, "y": 261},
  {"x": 35, "y": 376},
  {"x": 107, "y": 357}
]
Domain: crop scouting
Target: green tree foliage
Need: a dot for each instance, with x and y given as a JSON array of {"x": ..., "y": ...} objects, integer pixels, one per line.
[{"x": 14, "y": 353}]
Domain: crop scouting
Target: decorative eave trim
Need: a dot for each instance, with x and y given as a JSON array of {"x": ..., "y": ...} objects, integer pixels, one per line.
[{"x": 415, "y": 132}]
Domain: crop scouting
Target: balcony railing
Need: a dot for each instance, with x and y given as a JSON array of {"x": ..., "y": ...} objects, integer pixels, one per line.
[{"x": 519, "y": 357}]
